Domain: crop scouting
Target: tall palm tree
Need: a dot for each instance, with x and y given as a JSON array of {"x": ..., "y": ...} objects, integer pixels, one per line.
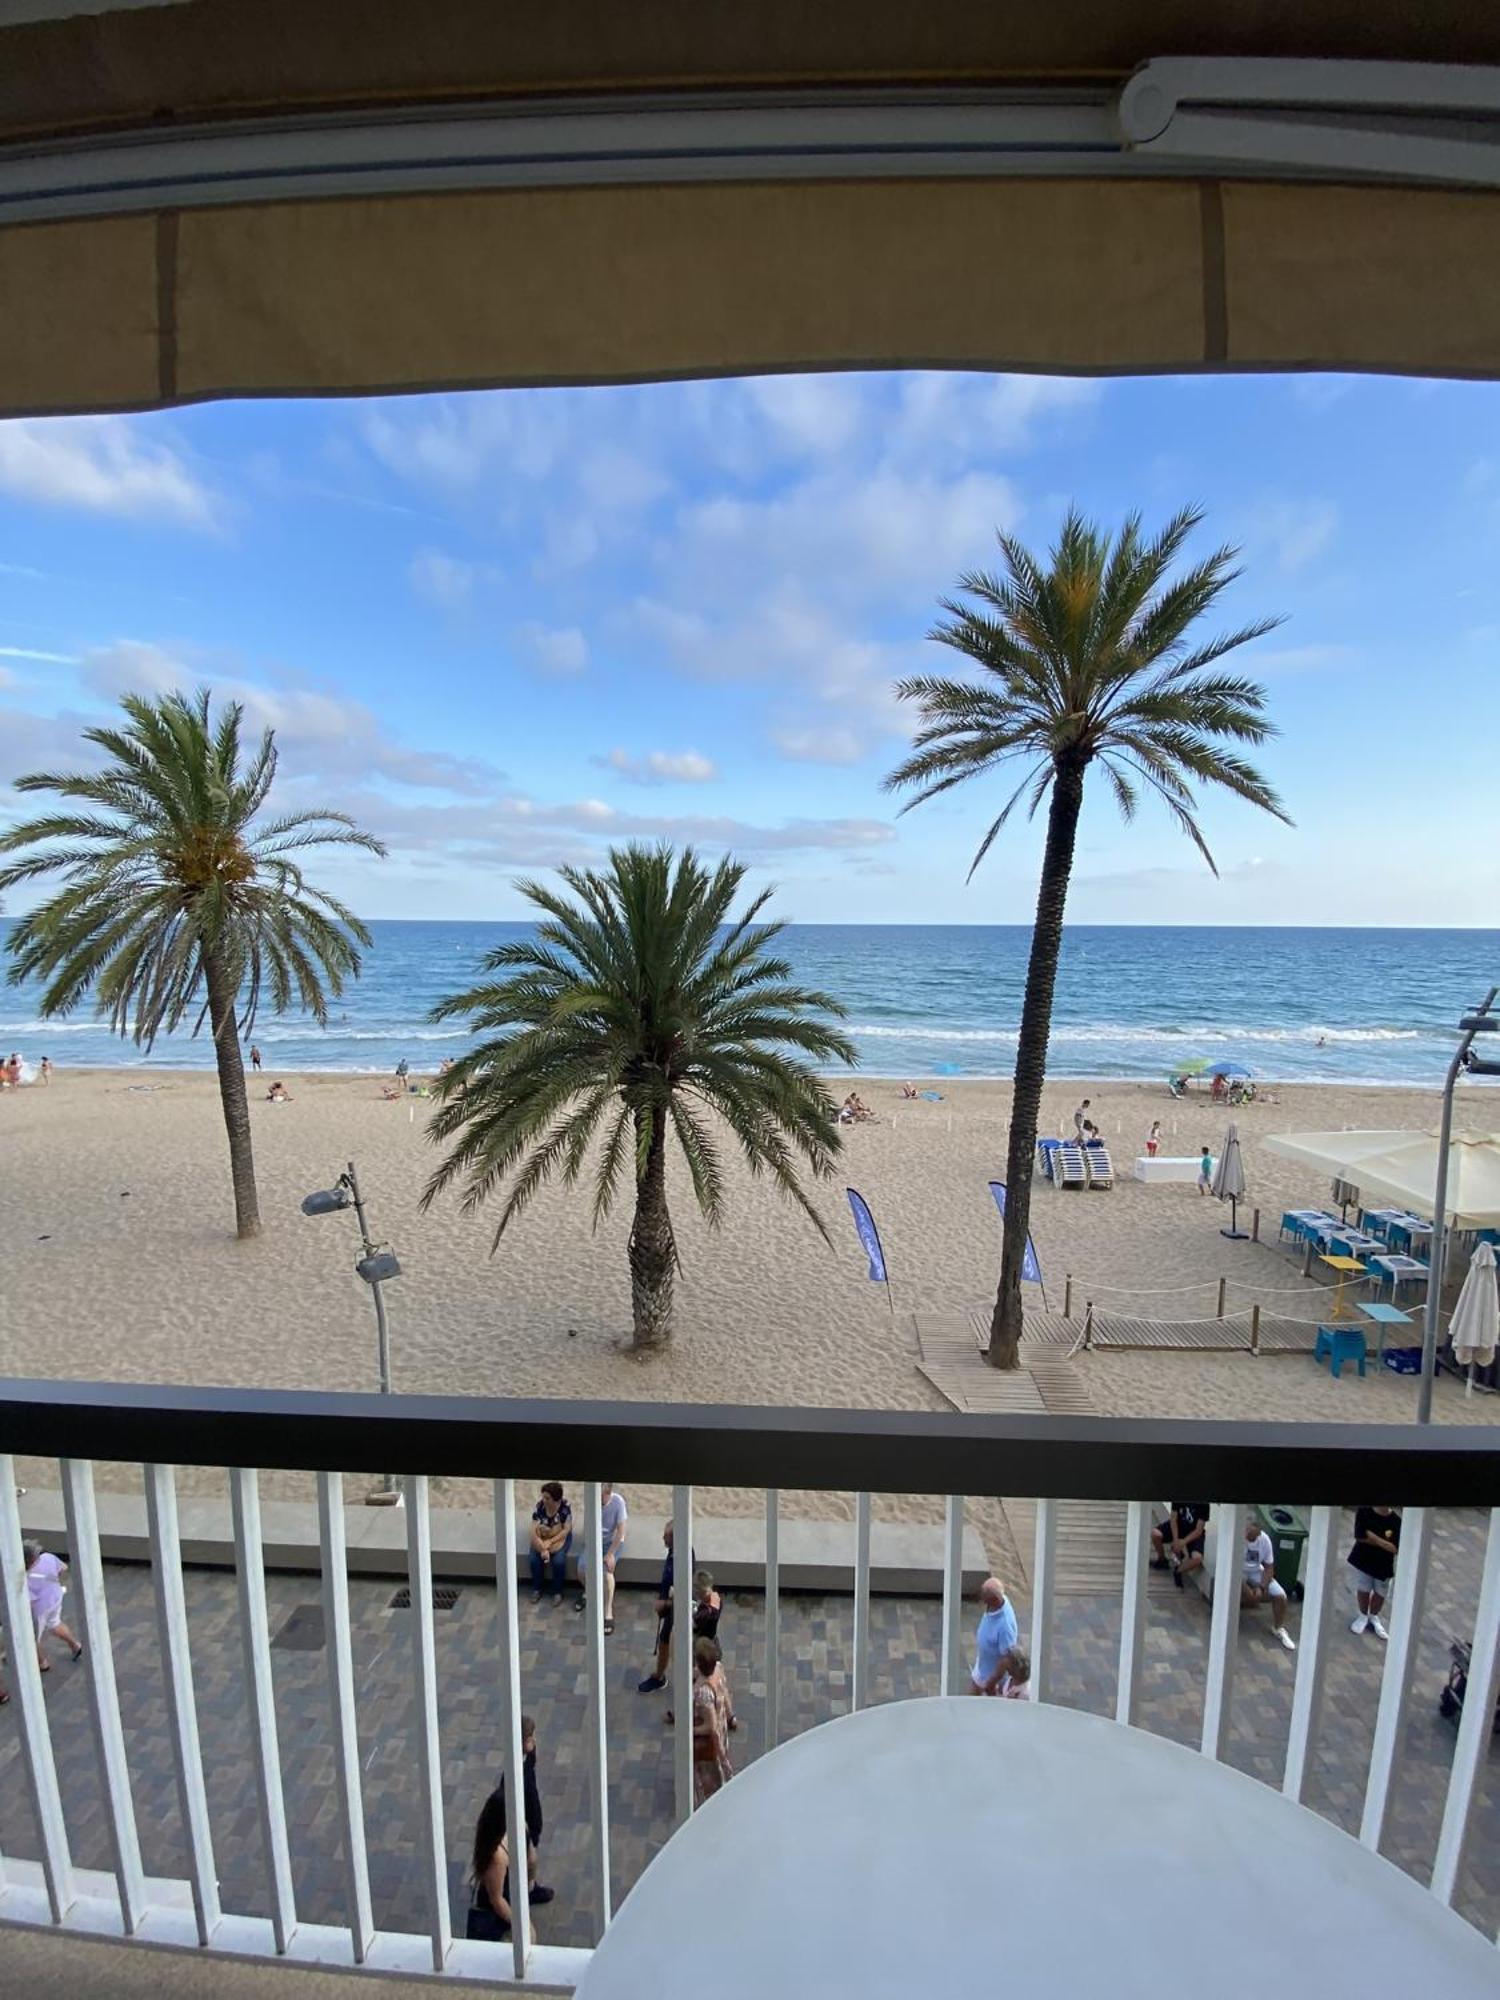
[
  {"x": 176, "y": 899},
  {"x": 640, "y": 1011},
  {"x": 1087, "y": 660}
]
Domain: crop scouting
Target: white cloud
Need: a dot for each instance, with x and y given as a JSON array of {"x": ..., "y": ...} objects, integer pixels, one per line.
[
  {"x": 826, "y": 743},
  {"x": 32, "y": 653},
  {"x": 443, "y": 580},
  {"x": 1294, "y": 532},
  {"x": 557, "y": 652},
  {"x": 662, "y": 767},
  {"x": 325, "y": 733},
  {"x": 105, "y": 465}
]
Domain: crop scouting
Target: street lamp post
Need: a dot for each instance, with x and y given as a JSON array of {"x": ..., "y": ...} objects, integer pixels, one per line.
[
  {"x": 375, "y": 1266},
  {"x": 1482, "y": 1021}
]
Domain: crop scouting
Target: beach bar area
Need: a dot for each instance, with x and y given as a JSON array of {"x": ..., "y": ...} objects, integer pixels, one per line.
[{"x": 260, "y": 1766}]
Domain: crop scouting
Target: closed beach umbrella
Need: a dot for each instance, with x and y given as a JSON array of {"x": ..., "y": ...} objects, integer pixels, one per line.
[
  {"x": 1229, "y": 1181},
  {"x": 1475, "y": 1326}
]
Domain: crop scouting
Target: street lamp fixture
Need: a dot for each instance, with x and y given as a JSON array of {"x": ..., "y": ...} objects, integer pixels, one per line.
[
  {"x": 376, "y": 1266},
  {"x": 1481, "y": 1020}
]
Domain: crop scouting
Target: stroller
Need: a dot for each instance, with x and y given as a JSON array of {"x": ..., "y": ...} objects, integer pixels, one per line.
[{"x": 1451, "y": 1698}]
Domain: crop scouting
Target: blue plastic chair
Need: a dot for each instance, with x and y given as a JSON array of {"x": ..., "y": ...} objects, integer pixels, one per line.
[{"x": 1340, "y": 1344}]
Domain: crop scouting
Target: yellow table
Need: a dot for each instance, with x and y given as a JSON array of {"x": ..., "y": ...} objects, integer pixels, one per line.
[{"x": 1346, "y": 1268}]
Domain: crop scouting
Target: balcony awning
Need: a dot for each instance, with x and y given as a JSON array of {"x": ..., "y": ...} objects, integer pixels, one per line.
[{"x": 201, "y": 199}]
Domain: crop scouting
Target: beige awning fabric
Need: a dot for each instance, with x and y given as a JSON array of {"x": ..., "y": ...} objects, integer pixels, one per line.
[
  {"x": 1114, "y": 264},
  {"x": 620, "y": 284},
  {"x": 1401, "y": 1167}
]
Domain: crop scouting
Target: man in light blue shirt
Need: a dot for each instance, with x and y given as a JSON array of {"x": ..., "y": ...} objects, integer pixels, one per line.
[
  {"x": 613, "y": 1522},
  {"x": 998, "y": 1632}
]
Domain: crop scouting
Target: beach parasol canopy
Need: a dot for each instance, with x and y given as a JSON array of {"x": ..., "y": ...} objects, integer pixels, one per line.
[
  {"x": 1229, "y": 1069},
  {"x": 1401, "y": 1167},
  {"x": 1229, "y": 1181},
  {"x": 1475, "y": 1326}
]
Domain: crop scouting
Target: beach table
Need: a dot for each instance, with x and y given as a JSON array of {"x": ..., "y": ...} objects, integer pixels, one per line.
[
  {"x": 1298, "y": 1221},
  {"x": 1400, "y": 1270},
  {"x": 1406, "y": 1234},
  {"x": 1346, "y": 1267},
  {"x": 1379, "y": 1220},
  {"x": 1355, "y": 1243},
  {"x": 1163, "y": 1169},
  {"x": 1383, "y": 1316}
]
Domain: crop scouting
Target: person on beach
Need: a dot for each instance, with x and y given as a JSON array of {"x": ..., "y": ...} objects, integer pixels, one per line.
[
  {"x": 1080, "y": 1119},
  {"x": 532, "y": 1809},
  {"x": 1179, "y": 1545},
  {"x": 711, "y": 1766},
  {"x": 995, "y": 1638},
  {"x": 551, "y": 1539},
  {"x": 1205, "y": 1172},
  {"x": 255, "y": 1058},
  {"x": 278, "y": 1094},
  {"x": 908, "y": 1090},
  {"x": 13, "y": 1071},
  {"x": 1015, "y": 1676},
  {"x": 403, "y": 1071},
  {"x": 1258, "y": 1583},
  {"x": 1372, "y": 1564},
  {"x": 1153, "y": 1139},
  {"x": 614, "y": 1524},
  {"x": 45, "y": 1588},
  {"x": 44, "y": 1074}
]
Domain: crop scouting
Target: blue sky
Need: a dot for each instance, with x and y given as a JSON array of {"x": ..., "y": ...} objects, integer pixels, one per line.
[{"x": 505, "y": 629}]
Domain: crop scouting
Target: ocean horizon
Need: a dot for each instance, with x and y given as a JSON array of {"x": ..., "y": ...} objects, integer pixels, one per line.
[{"x": 1133, "y": 1001}]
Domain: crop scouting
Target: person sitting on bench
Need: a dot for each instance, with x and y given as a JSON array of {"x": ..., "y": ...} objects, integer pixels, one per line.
[
  {"x": 1258, "y": 1583},
  {"x": 1179, "y": 1545}
]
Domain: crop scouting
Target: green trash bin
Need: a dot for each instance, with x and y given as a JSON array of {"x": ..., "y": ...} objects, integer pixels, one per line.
[{"x": 1287, "y": 1527}]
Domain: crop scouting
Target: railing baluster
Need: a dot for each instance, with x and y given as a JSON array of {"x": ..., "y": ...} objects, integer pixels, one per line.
[
  {"x": 951, "y": 1672},
  {"x": 773, "y": 1619},
  {"x": 1400, "y": 1653},
  {"x": 182, "y": 1707},
  {"x": 509, "y": 1612},
  {"x": 1312, "y": 1653},
  {"x": 335, "y": 1559},
  {"x": 1475, "y": 1727},
  {"x": 1133, "y": 1611},
  {"x": 260, "y": 1688},
  {"x": 1223, "y": 1627},
  {"x": 1043, "y": 1592},
  {"x": 682, "y": 1648},
  {"x": 36, "y": 1737},
  {"x": 429, "y": 1751},
  {"x": 597, "y": 1730},
  {"x": 860, "y": 1681},
  {"x": 104, "y": 1698}
]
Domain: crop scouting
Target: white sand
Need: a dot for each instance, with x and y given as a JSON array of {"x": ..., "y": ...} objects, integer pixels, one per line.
[{"x": 121, "y": 1261}]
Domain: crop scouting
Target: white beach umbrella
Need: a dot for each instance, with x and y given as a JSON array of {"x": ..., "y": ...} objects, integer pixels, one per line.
[
  {"x": 1229, "y": 1181},
  {"x": 1475, "y": 1326}
]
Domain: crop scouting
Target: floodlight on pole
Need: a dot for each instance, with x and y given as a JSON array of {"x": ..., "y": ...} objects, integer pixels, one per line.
[
  {"x": 375, "y": 1266},
  {"x": 1482, "y": 1020}
]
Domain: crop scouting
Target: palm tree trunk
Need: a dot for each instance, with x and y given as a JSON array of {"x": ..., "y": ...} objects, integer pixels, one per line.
[
  {"x": 653, "y": 1254},
  {"x": 221, "y": 1014},
  {"x": 1031, "y": 1059}
]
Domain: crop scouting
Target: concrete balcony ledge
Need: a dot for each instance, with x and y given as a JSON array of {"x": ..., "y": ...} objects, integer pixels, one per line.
[{"x": 905, "y": 1559}]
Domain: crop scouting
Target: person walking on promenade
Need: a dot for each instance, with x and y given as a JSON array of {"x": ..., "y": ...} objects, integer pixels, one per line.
[
  {"x": 661, "y": 1665},
  {"x": 711, "y": 1766},
  {"x": 996, "y": 1636},
  {"x": 1372, "y": 1564},
  {"x": 614, "y": 1524},
  {"x": 532, "y": 1804},
  {"x": 45, "y": 1588}
]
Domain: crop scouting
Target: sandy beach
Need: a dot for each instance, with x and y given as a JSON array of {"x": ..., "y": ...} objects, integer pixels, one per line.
[{"x": 121, "y": 1262}]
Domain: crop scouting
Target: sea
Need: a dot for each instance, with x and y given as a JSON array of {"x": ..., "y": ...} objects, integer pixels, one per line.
[{"x": 925, "y": 1000}]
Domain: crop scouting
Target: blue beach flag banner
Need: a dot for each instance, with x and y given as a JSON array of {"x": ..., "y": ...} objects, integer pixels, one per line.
[
  {"x": 869, "y": 1236},
  {"x": 1031, "y": 1269}
]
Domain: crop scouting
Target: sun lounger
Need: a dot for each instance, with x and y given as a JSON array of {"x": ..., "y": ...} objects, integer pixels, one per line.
[
  {"x": 1068, "y": 1169},
  {"x": 1096, "y": 1160}
]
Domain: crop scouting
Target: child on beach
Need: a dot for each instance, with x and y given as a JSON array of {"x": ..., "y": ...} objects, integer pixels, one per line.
[
  {"x": 1153, "y": 1139},
  {"x": 45, "y": 1588},
  {"x": 1205, "y": 1172}
]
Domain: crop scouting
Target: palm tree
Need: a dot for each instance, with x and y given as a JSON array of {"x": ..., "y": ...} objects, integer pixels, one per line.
[
  {"x": 175, "y": 900},
  {"x": 1087, "y": 660},
  {"x": 641, "y": 1010}
]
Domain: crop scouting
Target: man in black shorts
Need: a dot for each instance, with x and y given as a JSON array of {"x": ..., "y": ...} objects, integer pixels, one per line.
[
  {"x": 1179, "y": 1545},
  {"x": 657, "y": 1678}
]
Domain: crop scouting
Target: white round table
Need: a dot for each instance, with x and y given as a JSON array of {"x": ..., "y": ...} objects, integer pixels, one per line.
[{"x": 927, "y": 1848}]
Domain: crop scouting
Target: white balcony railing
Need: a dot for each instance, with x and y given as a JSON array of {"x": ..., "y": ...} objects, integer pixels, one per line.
[{"x": 845, "y": 1451}]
